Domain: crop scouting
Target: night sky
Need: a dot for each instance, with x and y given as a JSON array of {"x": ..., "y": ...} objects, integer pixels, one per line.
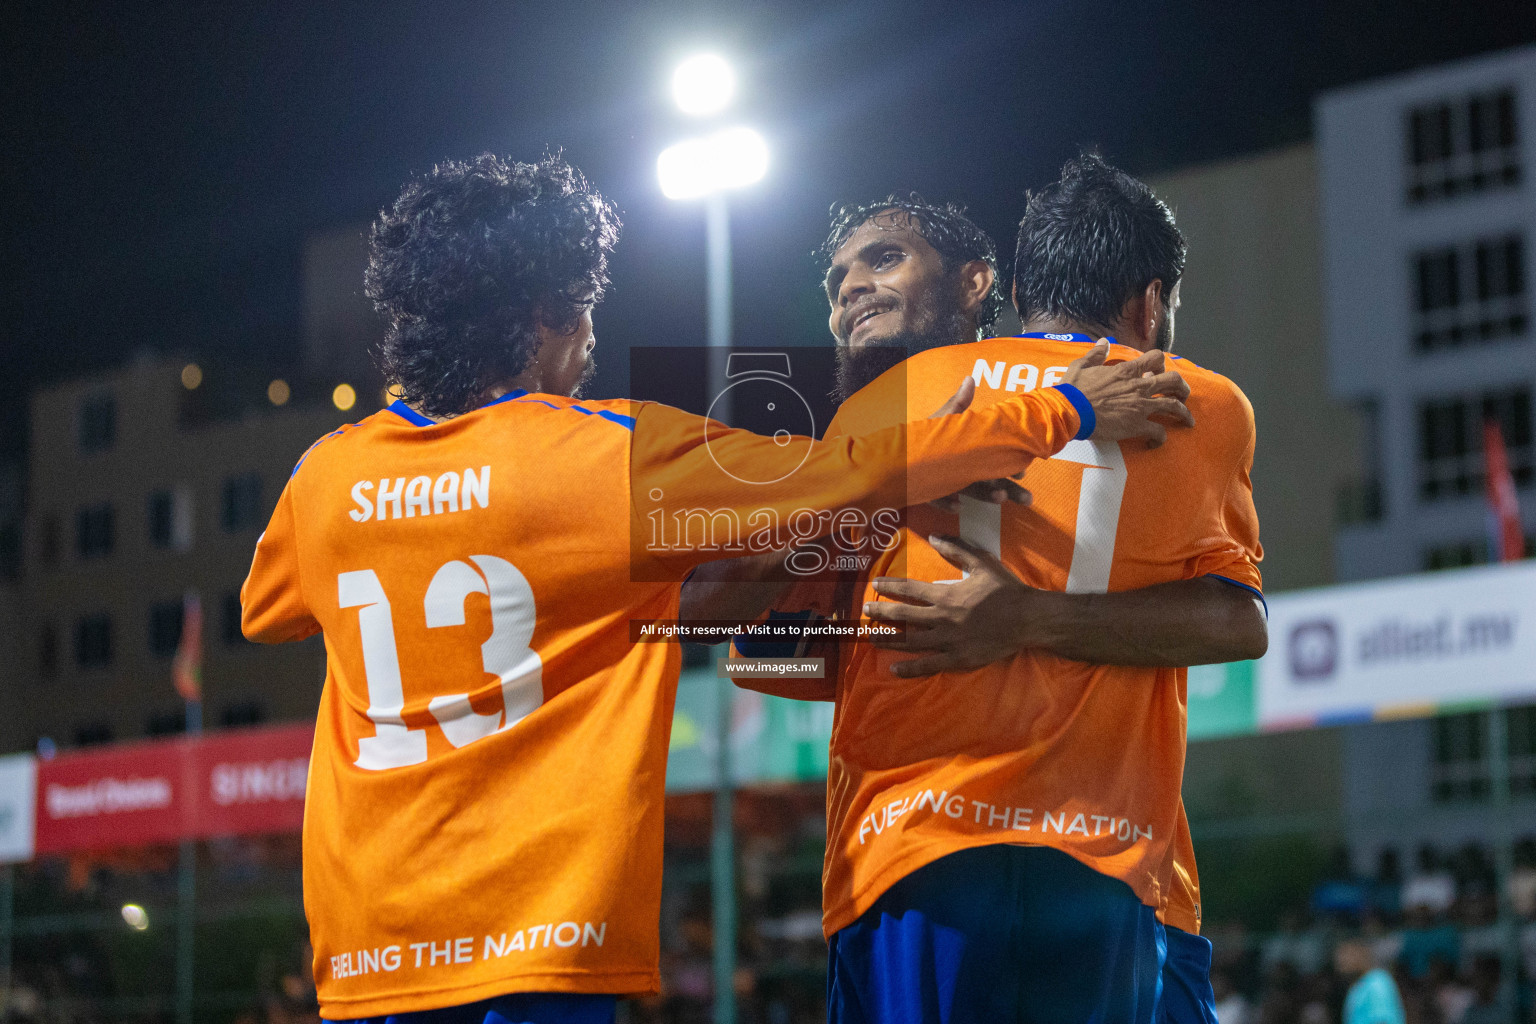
[{"x": 164, "y": 162}]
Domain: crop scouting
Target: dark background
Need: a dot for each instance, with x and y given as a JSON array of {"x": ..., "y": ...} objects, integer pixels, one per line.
[{"x": 164, "y": 162}]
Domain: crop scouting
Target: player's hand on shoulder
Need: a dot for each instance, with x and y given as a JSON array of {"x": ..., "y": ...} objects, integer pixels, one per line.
[
  {"x": 954, "y": 626},
  {"x": 1130, "y": 398}
]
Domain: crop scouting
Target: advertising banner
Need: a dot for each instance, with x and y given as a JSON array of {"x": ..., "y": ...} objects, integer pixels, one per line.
[
  {"x": 18, "y": 807},
  {"x": 251, "y": 781},
  {"x": 1222, "y": 701},
  {"x": 1400, "y": 647},
  {"x": 232, "y": 783},
  {"x": 124, "y": 795},
  {"x": 772, "y": 739}
]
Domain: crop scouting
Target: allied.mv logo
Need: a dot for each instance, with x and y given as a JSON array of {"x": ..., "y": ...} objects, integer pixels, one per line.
[{"x": 1314, "y": 650}]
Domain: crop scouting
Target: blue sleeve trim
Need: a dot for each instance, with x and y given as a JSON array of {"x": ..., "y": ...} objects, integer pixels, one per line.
[
  {"x": 1086, "y": 420},
  {"x": 508, "y": 397},
  {"x": 1252, "y": 590},
  {"x": 627, "y": 422},
  {"x": 764, "y": 648},
  {"x": 335, "y": 433},
  {"x": 405, "y": 412},
  {"x": 749, "y": 648}
]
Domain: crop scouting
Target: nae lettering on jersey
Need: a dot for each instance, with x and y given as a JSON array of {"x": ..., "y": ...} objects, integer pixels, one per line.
[
  {"x": 999, "y": 376},
  {"x": 421, "y": 495}
]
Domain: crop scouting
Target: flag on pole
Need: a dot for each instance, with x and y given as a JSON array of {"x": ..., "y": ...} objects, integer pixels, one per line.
[
  {"x": 187, "y": 666},
  {"x": 1506, "y": 535}
]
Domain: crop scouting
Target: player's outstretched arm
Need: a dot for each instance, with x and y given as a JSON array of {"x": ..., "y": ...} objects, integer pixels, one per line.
[
  {"x": 685, "y": 468},
  {"x": 746, "y": 587},
  {"x": 992, "y": 615}
]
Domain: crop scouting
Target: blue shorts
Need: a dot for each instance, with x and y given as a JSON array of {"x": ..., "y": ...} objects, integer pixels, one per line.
[
  {"x": 516, "y": 1008},
  {"x": 1000, "y": 934},
  {"x": 1187, "y": 994}
]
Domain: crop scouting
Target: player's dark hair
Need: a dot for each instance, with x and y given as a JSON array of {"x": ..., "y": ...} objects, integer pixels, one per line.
[
  {"x": 470, "y": 261},
  {"x": 944, "y": 226},
  {"x": 1090, "y": 242}
]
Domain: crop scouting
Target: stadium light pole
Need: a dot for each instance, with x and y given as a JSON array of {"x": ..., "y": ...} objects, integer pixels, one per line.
[{"x": 707, "y": 168}]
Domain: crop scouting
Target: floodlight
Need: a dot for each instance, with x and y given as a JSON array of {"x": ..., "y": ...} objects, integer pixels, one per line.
[
  {"x": 698, "y": 167},
  {"x": 703, "y": 84}
]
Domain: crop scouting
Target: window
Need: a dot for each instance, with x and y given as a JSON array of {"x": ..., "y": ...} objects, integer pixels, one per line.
[
  {"x": 48, "y": 651},
  {"x": 1451, "y": 441},
  {"x": 10, "y": 551},
  {"x": 165, "y": 627},
  {"x": 98, "y": 424},
  {"x": 1463, "y": 146},
  {"x": 1455, "y": 556},
  {"x": 1465, "y": 553},
  {"x": 170, "y": 519},
  {"x": 1459, "y": 772},
  {"x": 92, "y": 733},
  {"x": 250, "y": 712},
  {"x": 1521, "y": 726},
  {"x": 160, "y": 519},
  {"x": 95, "y": 531},
  {"x": 242, "y": 503},
  {"x": 229, "y": 622},
  {"x": 93, "y": 641},
  {"x": 165, "y": 723},
  {"x": 1469, "y": 294},
  {"x": 48, "y": 543},
  {"x": 1360, "y": 500}
]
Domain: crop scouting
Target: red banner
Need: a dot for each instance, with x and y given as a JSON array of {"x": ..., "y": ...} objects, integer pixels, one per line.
[
  {"x": 231, "y": 783},
  {"x": 252, "y": 781}
]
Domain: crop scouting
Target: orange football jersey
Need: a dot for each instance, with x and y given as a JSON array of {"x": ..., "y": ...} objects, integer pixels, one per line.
[
  {"x": 1038, "y": 749},
  {"x": 1181, "y": 903},
  {"x": 484, "y": 812}
]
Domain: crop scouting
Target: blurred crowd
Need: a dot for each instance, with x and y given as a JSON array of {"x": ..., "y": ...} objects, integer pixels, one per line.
[
  {"x": 1433, "y": 923},
  {"x": 77, "y": 959},
  {"x": 1429, "y": 916}
]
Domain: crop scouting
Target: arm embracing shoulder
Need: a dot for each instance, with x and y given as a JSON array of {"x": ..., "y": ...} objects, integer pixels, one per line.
[{"x": 687, "y": 469}]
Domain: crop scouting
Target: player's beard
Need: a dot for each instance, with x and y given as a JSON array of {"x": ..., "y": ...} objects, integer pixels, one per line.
[
  {"x": 1164, "y": 339},
  {"x": 858, "y": 367},
  {"x": 588, "y": 371}
]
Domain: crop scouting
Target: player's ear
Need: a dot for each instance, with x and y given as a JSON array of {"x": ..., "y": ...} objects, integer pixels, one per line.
[
  {"x": 976, "y": 279},
  {"x": 1141, "y": 315}
]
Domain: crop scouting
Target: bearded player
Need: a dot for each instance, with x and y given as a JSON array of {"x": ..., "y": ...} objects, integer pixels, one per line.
[
  {"x": 482, "y": 832},
  {"x": 925, "y": 268}
]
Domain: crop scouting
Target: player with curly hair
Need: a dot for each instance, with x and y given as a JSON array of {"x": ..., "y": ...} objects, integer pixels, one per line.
[
  {"x": 464, "y": 309},
  {"x": 483, "y": 822}
]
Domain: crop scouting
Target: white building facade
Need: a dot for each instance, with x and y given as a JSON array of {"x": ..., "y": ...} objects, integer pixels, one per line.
[
  {"x": 1428, "y": 221},
  {"x": 1428, "y": 218}
]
